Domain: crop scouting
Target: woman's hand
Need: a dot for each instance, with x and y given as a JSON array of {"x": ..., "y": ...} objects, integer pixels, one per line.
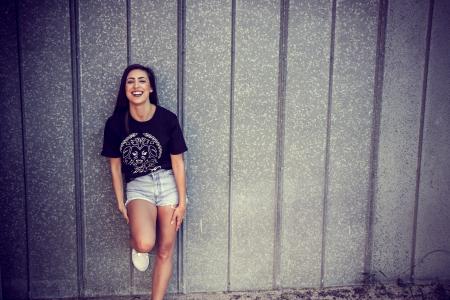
[
  {"x": 178, "y": 216},
  {"x": 123, "y": 211}
]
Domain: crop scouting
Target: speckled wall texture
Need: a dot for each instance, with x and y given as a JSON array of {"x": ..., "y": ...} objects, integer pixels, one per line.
[{"x": 317, "y": 133}]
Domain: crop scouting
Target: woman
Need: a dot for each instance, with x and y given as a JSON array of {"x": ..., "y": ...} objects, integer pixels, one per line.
[{"x": 145, "y": 145}]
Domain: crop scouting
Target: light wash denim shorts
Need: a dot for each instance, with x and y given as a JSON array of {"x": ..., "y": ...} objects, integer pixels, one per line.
[{"x": 158, "y": 188}]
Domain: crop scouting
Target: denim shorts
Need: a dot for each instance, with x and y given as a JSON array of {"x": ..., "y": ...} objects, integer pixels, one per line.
[{"x": 158, "y": 188}]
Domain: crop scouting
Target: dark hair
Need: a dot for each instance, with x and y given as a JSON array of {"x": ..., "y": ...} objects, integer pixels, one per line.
[{"x": 122, "y": 100}]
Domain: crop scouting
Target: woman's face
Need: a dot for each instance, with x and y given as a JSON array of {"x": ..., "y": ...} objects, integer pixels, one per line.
[{"x": 138, "y": 87}]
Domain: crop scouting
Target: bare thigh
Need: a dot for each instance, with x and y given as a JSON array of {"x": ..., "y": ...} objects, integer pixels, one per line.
[
  {"x": 142, "y": 215},
  {"x": 167, "y": 232}
]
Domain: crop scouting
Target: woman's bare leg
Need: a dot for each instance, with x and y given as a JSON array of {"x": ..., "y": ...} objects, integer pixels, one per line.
[
  {"x": 162, "y": 270},
  {"x": 142, "y": 215}
]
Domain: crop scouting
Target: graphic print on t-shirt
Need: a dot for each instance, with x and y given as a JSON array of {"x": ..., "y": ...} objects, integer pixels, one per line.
[{"x": 141, "y": 151}]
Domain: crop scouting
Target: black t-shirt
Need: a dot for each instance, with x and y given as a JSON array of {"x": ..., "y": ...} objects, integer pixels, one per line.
[{"x": 147, "y": 146}]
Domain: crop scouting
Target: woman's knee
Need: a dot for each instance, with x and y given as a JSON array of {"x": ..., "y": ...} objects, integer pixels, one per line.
[
  {"x": 165, "y": 252},
  {"x": 143, "y": 244}
]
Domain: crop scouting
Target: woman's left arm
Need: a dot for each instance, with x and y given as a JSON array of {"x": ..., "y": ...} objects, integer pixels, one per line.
[{"x": 180, "y": 181}]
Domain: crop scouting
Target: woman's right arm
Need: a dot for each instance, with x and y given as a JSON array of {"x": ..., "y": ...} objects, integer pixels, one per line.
[{"x": 117, "y": 182}]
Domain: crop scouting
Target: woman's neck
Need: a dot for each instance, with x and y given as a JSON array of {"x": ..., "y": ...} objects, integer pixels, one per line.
[{"x": 142, "y": 112}]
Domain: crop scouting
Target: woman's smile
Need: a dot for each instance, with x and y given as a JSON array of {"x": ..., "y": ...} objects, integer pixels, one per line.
[{"x": 138, "y": 87}]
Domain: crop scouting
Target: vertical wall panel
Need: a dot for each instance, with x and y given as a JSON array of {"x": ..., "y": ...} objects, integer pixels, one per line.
[
  {"x": 103, "y": 56},
  {"x": 433, "y": 227},
  {"x": 399, "y": 135},
  {"x": 350, "y": 140},
  {"x": 254, "y": 144},
  {"x": 305, "y": 136},
  {"x": 207, "y": 115},
  {"x": 13, "y": 249},
  {"x": 49, "y": 159},
  {"x": 154, "y": 43}
]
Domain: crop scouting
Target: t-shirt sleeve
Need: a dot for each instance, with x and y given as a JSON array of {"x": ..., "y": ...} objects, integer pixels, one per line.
[
  {"x": 177, "y": 144},
  {"x": 111, "y": 141}
]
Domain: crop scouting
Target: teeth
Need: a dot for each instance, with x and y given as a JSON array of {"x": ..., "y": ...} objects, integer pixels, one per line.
[{"x": 137, "y": 93}]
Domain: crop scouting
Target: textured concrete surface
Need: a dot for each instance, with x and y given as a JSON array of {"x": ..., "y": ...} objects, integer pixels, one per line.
[
  {"x": 350, "y": 140},
  {"x": 426, "y": 291},
  {"x": 106, "y": 253},
  {"x": 154, "y": 42},
  {"x": 48, "y": 147},
  {"x": 207, "y": 115},
  {"x": 433, "y": 227},
  {"x": 305, "y": 136},
  {"x": 13, "y": 255},
  {"x": 212, "y": 125},
  {"x": 157, "y": 49},
  {"x": 254, "y": 145},
  {"x": 399, "y": 137}
]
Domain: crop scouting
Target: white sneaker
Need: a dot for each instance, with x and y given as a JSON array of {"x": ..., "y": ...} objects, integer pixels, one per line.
[{"x": 140, "y": 260}]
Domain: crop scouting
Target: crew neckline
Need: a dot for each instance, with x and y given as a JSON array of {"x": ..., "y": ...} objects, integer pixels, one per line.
[{"x": 149, "y": 120}]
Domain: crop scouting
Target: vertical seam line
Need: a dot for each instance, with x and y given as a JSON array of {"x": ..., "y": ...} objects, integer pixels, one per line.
[
  {"x": 181, "y": 58},
  {"x": 77, "y": 141},
  {"x": 128, "y": 5},
  {"x": 375, "y": 138},
  {"x": 327, "y": 144},
  {"x": 421, "y": 134},
  {"x": 230, "y": 158},
  {"x": 282, "y": 74},
  {"x": 181, "y": 44},
  {"x": 22, "y": 105},
  {"x": 131, "y": 288}
]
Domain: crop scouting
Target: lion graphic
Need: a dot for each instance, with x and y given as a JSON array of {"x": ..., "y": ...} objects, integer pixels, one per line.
[{"x": 142, "y": 152}]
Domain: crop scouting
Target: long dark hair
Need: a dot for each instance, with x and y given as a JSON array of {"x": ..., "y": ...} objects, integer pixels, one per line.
[{"x": 122, "y": 100}]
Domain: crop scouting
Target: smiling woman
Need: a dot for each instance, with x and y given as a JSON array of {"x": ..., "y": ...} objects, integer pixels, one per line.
[
  {"x": 145, "y": 145},
  {"x": 138, "y": 90}
]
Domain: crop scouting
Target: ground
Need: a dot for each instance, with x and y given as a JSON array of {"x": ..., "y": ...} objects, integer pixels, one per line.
[{"x": 426, "y": 291}]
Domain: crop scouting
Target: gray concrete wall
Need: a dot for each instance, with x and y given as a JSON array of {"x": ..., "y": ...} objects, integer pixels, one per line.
[
  {"x": 48, "y": 147},
  {"x": 433, "y": 208},
  {"x": 253, "y": 145},
  {"x": 317, "y": 134},
  {"x": 351, "y": 110},
  {"x": 308, "y": 63},
  {"x": 101, "y": 31},
  {"x": 14, "y": 258},
  {"x": 399, "y": 137},
  {"x": 207, "y": 89}
]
